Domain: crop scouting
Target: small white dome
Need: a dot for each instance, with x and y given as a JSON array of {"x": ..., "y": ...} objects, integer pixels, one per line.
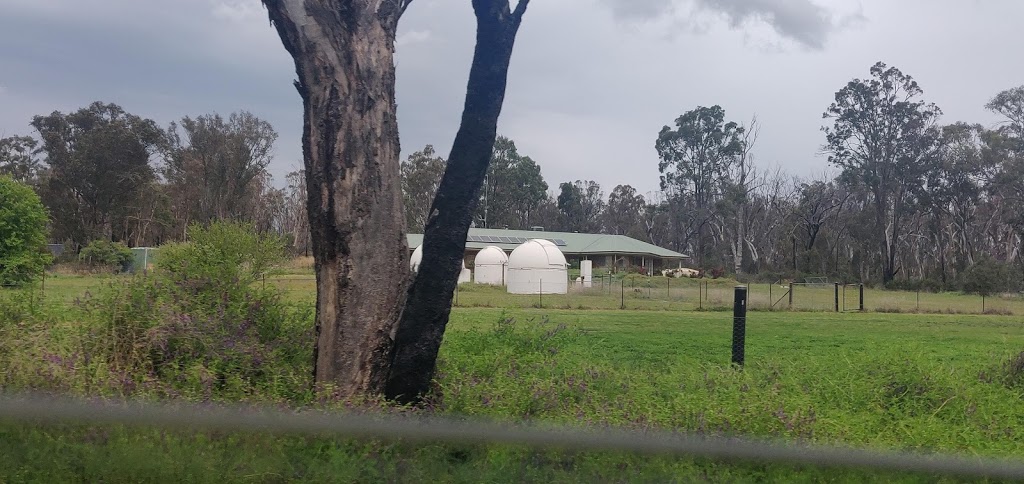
[
  {"x": 537, "y": 254},
  {"x": 490, "y": 255},
  {"x": 491, "y": 266},
  {"x": 537, "y": 267},
  {"x": 417, "y": 257}
]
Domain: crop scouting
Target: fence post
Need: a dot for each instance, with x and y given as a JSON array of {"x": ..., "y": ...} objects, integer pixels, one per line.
[
  {"x": 861, "y": 299},
  {"x": 791, "y": 287},
  {"x": 668, "y": 288},
  {"x": 982, "y": 304},
  {"x": 739, "y": 324},
  {"x": 837, "y": 296},
  {"x": 771, "y": 300},
  {"x": 540, "y": 291},
  {"x": 622, "y": 295},
  {"x": 919, "y": 299},
  {"x": 700, "y": 297}
]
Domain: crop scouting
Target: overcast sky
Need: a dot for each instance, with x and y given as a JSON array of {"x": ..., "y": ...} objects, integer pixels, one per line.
[{"x": 591, "y": 82}]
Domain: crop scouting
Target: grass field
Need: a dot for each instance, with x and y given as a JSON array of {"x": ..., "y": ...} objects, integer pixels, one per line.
[
  {"x": 926, "y": 382},
  {"x": 641, "y": 293}
]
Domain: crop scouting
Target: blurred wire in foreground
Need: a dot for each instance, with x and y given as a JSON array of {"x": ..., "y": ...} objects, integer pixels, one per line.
[{"x": 36, "y": 409}]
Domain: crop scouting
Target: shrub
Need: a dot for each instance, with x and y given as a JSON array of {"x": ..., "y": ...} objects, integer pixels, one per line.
[
  {"x": 986, "y": 277},
  {"x": 23, "y": 254},
  {"x": 225, "y": 254},
  {"x": 183, "y": 331},
  {"x": 104, "y": 253}
]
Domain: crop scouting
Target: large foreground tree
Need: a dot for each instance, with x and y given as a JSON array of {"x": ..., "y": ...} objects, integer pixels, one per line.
[{"x": 343, "y": 52}]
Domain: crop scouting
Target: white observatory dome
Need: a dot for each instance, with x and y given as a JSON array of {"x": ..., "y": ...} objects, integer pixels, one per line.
[
  {"x": 537, "y": 267},
  {"x": 491, "y": 266},
  {"x": 417, "y": 256}
]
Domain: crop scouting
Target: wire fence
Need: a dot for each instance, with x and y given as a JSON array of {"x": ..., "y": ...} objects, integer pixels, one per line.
[
  {"x": 652, "y": 293},
  {"x": 46, "y": 410}
]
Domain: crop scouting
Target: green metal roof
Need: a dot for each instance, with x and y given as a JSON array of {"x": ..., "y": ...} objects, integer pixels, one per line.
[{"x": 575, "y": 243}]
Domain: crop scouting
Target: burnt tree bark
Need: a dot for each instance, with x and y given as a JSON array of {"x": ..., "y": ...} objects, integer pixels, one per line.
[
  {"x": 343, "y": 52},
  {"x": 421, "y": 328}
]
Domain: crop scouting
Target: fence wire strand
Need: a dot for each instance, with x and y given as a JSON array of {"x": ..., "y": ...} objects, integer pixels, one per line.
[{"x": 47, "y": 410}]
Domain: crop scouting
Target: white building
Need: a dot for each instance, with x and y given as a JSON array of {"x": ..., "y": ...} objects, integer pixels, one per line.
[
  {"x": 490, "y": 266},
  {"x": 537, "y": 267},
  {"x": 417, "y": 257}
]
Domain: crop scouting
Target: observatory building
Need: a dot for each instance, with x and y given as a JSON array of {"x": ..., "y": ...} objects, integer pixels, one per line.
[
  {"x": 537, "y": 267},
  {"x": 606, "y": 252},
  {"x": 490, "y": 266},
  {"x": 417, "y": 257}
]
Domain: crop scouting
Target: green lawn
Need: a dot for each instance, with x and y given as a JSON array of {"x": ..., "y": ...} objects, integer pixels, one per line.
[
  {"x": 641, "y": 293},
  {"x": 925, "y": 382}
]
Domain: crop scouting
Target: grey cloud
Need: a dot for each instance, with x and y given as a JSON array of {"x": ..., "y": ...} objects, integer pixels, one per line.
[
  {"x": 800, "y": 20},
  {"x": 638, "y": 9}
]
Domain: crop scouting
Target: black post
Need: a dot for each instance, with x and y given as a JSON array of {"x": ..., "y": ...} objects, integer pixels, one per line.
[
  {"x": 861, "y": 299},
  {"x": 837, "y": 296},
  {"x": 982, "y": 304},
  {"x": 739, "y": 324},
  {"x": 771, "y": 300},
  {"x": 791, "y": 287},
  {"x": 622, "y": 295}
]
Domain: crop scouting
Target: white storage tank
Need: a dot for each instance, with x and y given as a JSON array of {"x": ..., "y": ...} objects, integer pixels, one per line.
[
  {"x": 417, "y": 256},
  {"x": 491, "y": 266},
  {"x": 537, "y": 267}
]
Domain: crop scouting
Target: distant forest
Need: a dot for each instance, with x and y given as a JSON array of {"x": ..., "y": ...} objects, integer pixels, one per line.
[{"x": 916, "y": 202}]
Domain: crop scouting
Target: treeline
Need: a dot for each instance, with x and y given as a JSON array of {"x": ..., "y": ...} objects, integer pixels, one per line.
[
  {"x": 915, "y": 201},
  {"x": 109, "y": 175}
]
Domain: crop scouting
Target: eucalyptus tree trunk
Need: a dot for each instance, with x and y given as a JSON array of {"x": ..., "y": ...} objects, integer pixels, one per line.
[
  {"x": 423, "y": 322},
  {"x": 343, "y": 52}
]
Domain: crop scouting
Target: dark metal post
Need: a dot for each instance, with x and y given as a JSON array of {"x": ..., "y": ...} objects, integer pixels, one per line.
[
  {"x": 982, "y": 304},
  {"x": 771, "y": 300},
  {"x": 622, "y": 295},
  {"x": 837, "y": 296},
  {"x": 791, "y": 287},
  {"x": 739, "y": 324},
  {"x": 700, "y": 297},
  {"x": 861, "y": 299}
]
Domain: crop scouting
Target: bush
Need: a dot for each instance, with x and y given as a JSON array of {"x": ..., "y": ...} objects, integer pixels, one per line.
[
  {"x": 104, "y": 253},
  {"x": 183, "y": 331},
  {"x": 225, "y": 254},
  {"x": 23, "y": 254},
  {"x": 986, "y": 277}
]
